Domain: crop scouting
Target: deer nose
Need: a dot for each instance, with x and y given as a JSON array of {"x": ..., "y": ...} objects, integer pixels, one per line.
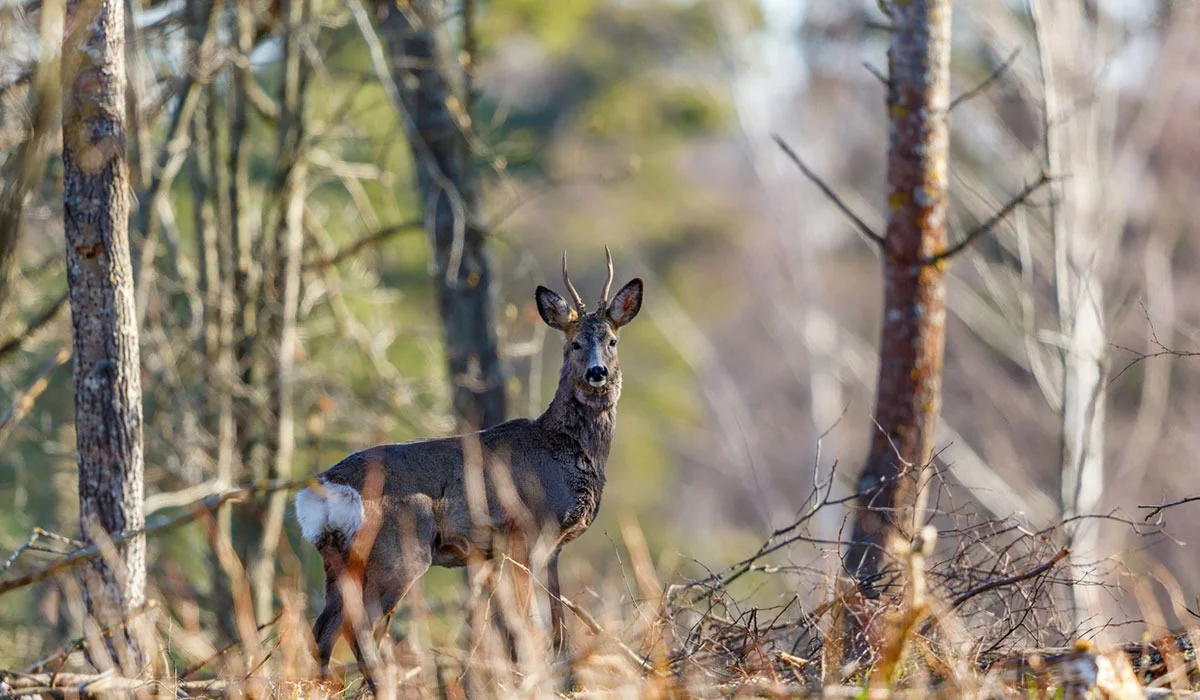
[{"x": 596, "y": 375}]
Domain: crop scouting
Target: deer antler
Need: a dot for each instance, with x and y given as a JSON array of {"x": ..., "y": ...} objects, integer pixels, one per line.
[
  {"x": 608, "y": 282},
  {"x": 571, "y": 288}
]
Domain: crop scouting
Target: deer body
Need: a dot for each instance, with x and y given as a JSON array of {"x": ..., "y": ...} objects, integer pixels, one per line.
[{"x": 383, "y": 516}]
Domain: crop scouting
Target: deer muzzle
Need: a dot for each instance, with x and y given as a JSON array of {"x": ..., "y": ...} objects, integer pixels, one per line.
[{"x": 596, "y": 375}]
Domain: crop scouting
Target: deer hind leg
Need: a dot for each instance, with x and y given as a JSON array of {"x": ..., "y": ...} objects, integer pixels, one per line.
[
  {"x": 402, "y": 553},
  {"x": 328, "y": 626},
  {"x": 331, "y": 623}
]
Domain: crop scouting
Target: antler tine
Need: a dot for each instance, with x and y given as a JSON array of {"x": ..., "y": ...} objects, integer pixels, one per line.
[
  {"x": 608, "y": 282},
  {"x": 571, "y": 288}
]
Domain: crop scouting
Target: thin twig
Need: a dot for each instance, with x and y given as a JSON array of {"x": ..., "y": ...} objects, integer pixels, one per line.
[
  {"x": 66, "y": 650},
  {"x": 1142, "y": 357},
  {"x": 46, "y": 316},
  {"x": 1156, "y": 509},
  {"x": 828, "y": 191},
  {"x": 23, "y": 401},
  {"x": 1016, "y": 578},
  {"x": 36, "y": 534},
  {"x": 364, "y": 242},
  {"x": 226, "y": 649},
  {"x": 586, "y": 618},
  {"x": 108, "y": 684},
  {"x": 988, "y": 225},
  {"x": 875, "y": 72},
  {"x": 995, "y": 75}
]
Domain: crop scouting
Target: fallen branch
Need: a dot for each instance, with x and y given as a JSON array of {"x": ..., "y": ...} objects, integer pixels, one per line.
[
  {"x": 156, "y": 524},
  {"x": 988, "y": 225},
  {"x": 78, "y": 685},
  {"x": 979, "y": 590},
  {"x": 828, "y": 191}
]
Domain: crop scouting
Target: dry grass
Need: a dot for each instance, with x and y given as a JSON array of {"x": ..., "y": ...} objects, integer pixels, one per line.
[{"x": 634, "y": 636}]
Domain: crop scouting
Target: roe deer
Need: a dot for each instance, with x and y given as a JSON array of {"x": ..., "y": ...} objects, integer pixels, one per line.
[{"x": 420, "y": 504}]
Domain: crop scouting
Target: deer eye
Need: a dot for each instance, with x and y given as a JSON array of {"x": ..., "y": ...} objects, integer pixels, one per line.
[
  {"x": 612, "y": 343},
  {"x": 575, "y": 345}
]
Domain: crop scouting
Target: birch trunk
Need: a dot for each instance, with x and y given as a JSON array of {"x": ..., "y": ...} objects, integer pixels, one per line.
[{"x": 1078, "y": 135}]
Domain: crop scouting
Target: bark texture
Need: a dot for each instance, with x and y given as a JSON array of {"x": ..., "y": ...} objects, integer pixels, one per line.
[
  {"x": 435, "y": 120},
  {"x": 908, "y": 396},
  {"x": 108, "y": 395}
]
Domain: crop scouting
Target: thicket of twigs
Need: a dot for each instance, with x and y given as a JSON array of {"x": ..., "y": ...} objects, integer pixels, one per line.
[{"x": 978, "y": 616}]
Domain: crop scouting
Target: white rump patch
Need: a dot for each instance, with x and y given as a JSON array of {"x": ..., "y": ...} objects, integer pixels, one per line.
[{"x": 329, "y": 507}]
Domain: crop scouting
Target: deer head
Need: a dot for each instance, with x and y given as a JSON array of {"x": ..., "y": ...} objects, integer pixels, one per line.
[{"x": 590, "y": 365}]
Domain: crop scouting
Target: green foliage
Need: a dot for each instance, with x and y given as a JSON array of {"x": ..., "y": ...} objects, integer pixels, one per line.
[{"x": 556, "y": 25}]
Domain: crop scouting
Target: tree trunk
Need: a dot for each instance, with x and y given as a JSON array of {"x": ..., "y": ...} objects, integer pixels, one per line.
[
  {"x": 282, "y": 296},
  {"x": 1086, "y": 228},
  {"x": 108, "y": 394},
  {"x": 908, "y": 395},
  {"x": 462, "y": 275},
  {"x": 210, "y": 191},
  {"x": 246, "y": 269}
]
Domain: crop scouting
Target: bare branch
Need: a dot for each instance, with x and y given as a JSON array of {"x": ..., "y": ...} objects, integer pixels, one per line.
[
  {"x": 1140, "y": 357},
  {"x": 875, "y": 72},
  {"x": 23, "y": 402},
  {"x": 1156, "y": 509},
  {"x": 993, "y": 77},
  {"x": 828, "y": 191},
  {"x": 31, "y": 543},
  {"x": 45, "y": 317},
  {"x": 1014, "y": 579},
  {"x": 383, "y": 234},
  {"x": 988, "y": 225}
]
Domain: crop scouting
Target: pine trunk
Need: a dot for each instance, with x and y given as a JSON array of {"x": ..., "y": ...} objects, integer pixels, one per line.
[{"x": 908, "y": 397}]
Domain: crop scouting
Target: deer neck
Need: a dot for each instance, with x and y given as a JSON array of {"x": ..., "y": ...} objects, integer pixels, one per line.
[{"x": 587, "y": 418}]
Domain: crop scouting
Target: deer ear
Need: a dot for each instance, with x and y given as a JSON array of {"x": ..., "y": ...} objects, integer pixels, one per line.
[
  {"x": 553, "y": 308},
  {"x": 626, "y": 304}
]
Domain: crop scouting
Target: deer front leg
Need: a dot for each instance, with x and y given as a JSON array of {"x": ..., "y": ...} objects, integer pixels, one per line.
[{"x": 558, "y": 625}]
